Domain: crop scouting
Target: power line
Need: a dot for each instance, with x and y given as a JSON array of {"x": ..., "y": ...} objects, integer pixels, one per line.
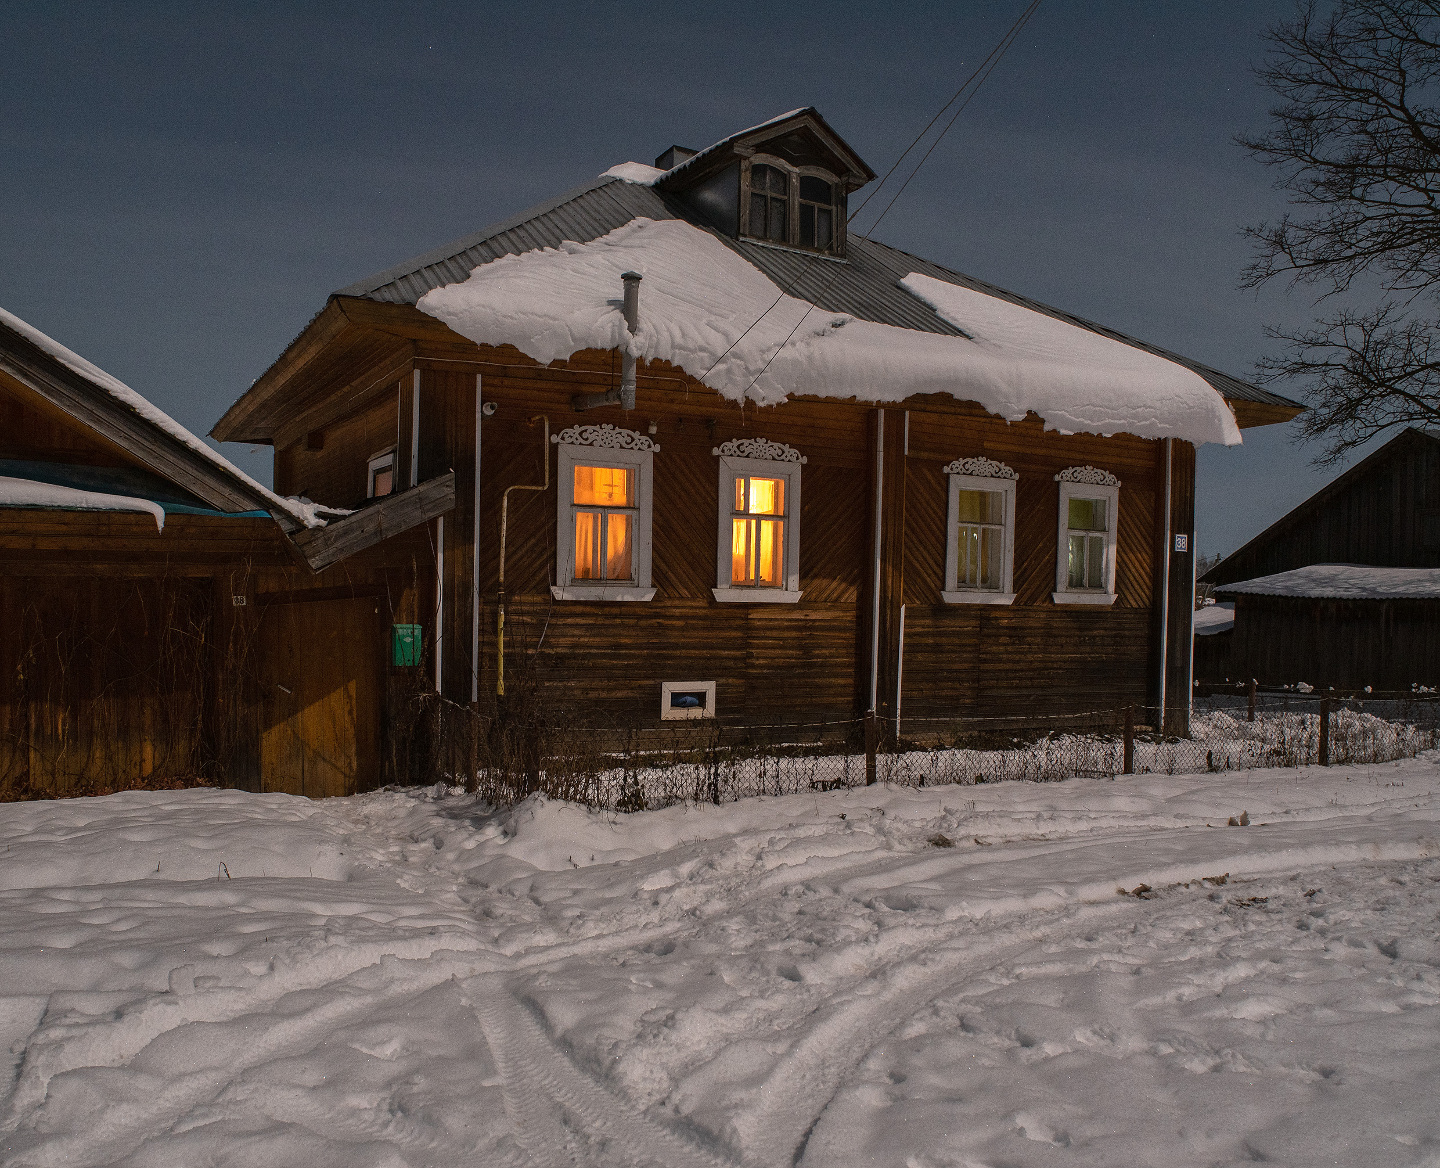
[
  {"x": 976, "y": 79},
  {"x": 983, "y": 72}
]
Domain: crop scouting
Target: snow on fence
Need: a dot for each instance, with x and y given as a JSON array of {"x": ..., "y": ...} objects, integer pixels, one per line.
[{"x": 714, "y": 762}]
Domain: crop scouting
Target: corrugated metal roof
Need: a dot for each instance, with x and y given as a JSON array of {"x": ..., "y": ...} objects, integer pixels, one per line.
[{"x": 865, "y": 284}]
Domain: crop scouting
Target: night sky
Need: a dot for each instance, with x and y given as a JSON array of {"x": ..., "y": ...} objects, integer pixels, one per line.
[{"x": 182, "y": 188}]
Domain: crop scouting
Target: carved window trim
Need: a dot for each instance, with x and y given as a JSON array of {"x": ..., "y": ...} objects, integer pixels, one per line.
[
  {"x": 979, "y": 474},
  {"x": 757, "y": 456},
  {"x": 792, "y": 218},
  {"x": 1086, "y": 482},
  {"x": 604, "y": 445}
]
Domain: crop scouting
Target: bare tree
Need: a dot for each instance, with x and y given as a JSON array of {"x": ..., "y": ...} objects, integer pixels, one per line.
[{"x": 1356, "y": 141}]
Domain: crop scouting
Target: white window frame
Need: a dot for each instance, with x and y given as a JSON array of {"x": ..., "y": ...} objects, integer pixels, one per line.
[
  {"x": 1086, "y": 482},
  {"x": 670, "y": 714},
  {"x": 378, "y": 462},
  {"x": 603, "y": 445},
  {"x": 979, "y": 474},
  {"x": 763, "y": 459}
]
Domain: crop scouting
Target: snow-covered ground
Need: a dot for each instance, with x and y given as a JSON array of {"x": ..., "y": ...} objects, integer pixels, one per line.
[{"x": 882, "y": 976}]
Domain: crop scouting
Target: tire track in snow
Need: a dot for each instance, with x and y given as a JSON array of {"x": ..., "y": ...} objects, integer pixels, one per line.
[
  {"x": 805, "y": 1080},
  {"x": 562, "y": 1115}
]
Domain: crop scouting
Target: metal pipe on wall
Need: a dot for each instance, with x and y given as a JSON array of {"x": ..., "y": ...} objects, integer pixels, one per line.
[
  {"x": 504, "y": 519},
  {"x": 415, "y": 429},
  {"x": 475, "y": 556},
  {"x": 439, "y": 603},
  {"x": 875, "y": 584},
  {"x": 1165, "y": 553}
]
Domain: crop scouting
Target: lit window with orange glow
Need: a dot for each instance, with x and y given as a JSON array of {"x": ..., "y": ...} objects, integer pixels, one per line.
[
  {"x": 757, "y": 532},
  {"x": 758, "y": 545},
  {"x": 603, "y": 515},
  {"x": 604, "y": 522}
]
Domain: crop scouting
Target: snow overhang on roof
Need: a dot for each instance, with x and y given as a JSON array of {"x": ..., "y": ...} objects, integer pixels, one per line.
[
  {"x": 120, "y": 395},
  {"x": 1344, "y": 582},
  {"x": 707, "y": 310}
]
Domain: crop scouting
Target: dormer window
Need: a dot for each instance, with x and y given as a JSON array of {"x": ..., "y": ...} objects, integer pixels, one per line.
[
  {"x": 769, "y": 203},
  {"x": 792, "y": 206}
]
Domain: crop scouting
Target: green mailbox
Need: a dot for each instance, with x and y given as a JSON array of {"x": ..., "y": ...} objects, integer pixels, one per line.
[{"x": 405, "y": 645}]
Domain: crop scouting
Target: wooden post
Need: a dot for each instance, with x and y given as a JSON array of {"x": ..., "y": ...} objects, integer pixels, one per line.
[
  {"x": 1325, "y": 731},
  {"x": 872, "y": 735},
  {"x": 1250, "y": 700},
  {"x": 1129, "y": 740}
]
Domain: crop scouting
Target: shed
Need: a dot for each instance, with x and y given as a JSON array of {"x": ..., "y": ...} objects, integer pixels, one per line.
[
  {"x": 1341, "y": 626},
  {"x": 160, "y": 621}
]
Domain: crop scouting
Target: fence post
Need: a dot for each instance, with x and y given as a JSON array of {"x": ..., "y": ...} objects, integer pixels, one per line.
[
  {"x": 1325, "y": 731},
  {"x": 1129, "y": 740},
  {"x": 872, "y": 728},
  {"x": 1250, "y": 700}
]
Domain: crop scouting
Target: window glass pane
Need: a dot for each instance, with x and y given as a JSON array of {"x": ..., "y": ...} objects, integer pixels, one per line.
[
  {"x": 1087, "y": 514},
  {"x": 611, "y": 486},
  {"x": 767, "y": 497},
  {"x": 384, "y": 481},
  {"x": 740, "y": 493},
  {"x": 618, "y": 545},
  {"x": 758, "y": 203},
  {"x": 1095, "y": 563},
  {"x": 989, "y": 566},
  {"x": 770, "y": 179},
  {"x": 1075, "y": 575},
  {"x": 807, "y": 225},
  {"x": 587, "y": 545},
  {"x": 817, "y": 190},
  {"x": 823, "y": 228},
  {"x": 739, "y": 541},
  {"x": 767, "y": 568},
  {"x": 778, "y": 231},
  {"x": 980, "y": 507}
]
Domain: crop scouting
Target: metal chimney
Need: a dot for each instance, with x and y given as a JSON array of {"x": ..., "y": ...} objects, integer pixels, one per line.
[{"x": 632, "y": 323}]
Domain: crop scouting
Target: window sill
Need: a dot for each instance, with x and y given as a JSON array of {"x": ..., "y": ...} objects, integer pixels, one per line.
[
  {"x": 804, "y": 251},
  {"x": 1106, "y": 598},
  {"x": 755, "y": 595},
  {"x": 978, "y": 597},
  {"x": 587, "y": 592}
]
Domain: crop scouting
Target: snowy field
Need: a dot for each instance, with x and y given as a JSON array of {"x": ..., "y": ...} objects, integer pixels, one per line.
[{"x": 927, "y": 978}]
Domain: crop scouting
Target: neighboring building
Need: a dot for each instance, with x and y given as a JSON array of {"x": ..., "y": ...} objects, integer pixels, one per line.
[
  {"x": 1384, "y": 510},
  {"x": 1340, "y": 626},
  {"x": 159, "y": 622},
  {"x": 1309, "y": 608},
  {"x": 984, "y": 527}
]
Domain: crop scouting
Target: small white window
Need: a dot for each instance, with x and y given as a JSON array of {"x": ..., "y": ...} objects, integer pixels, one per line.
[
  {"x": 380, "y": 475},
  {"x": 1085, "y": 556},
  {"x": 603, "y": 514},
  {"x": 980, "y": 533},
  {"x": 758, "y": 542},
  {"x": 684, "y": 700}
]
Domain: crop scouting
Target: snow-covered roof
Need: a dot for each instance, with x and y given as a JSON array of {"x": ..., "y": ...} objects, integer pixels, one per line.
[
  {"x": 707, "y": 310},
  {"x": 1215, "y": 618},
  {"x": 635, "y": 172},
  {"x": 27, "y": 493},
  {"x": 116, "y": 389},
  {"x": 1344, "y": 582}
]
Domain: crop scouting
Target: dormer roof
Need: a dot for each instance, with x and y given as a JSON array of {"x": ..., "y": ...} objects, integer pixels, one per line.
[{"x": 801, "y": 137}]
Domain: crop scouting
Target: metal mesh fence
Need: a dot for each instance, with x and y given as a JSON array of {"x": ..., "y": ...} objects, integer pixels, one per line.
[{"x": 713, "y": 761}]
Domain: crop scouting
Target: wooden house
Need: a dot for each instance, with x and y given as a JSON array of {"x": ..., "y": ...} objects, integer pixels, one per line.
[
  {"x": 717, "y": 456},
  {"x": 1340, "y": 591},
  {"x": 162, "y": 620}
]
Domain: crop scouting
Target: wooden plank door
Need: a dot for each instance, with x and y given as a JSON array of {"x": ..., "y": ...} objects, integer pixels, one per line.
[{"x": 320, "y": 682}]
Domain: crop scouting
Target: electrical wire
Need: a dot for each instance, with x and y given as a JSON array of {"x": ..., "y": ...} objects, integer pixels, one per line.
[{"x": 972, "y": 83}]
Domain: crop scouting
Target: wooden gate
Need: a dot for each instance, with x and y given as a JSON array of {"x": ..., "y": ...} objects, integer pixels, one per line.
[{"x": 320, "y": 697}]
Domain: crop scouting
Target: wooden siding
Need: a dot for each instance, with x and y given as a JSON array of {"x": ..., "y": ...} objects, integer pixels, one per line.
[
  {"x": 1385, "y": 644},
  {"x": 804, "y": 662}
]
